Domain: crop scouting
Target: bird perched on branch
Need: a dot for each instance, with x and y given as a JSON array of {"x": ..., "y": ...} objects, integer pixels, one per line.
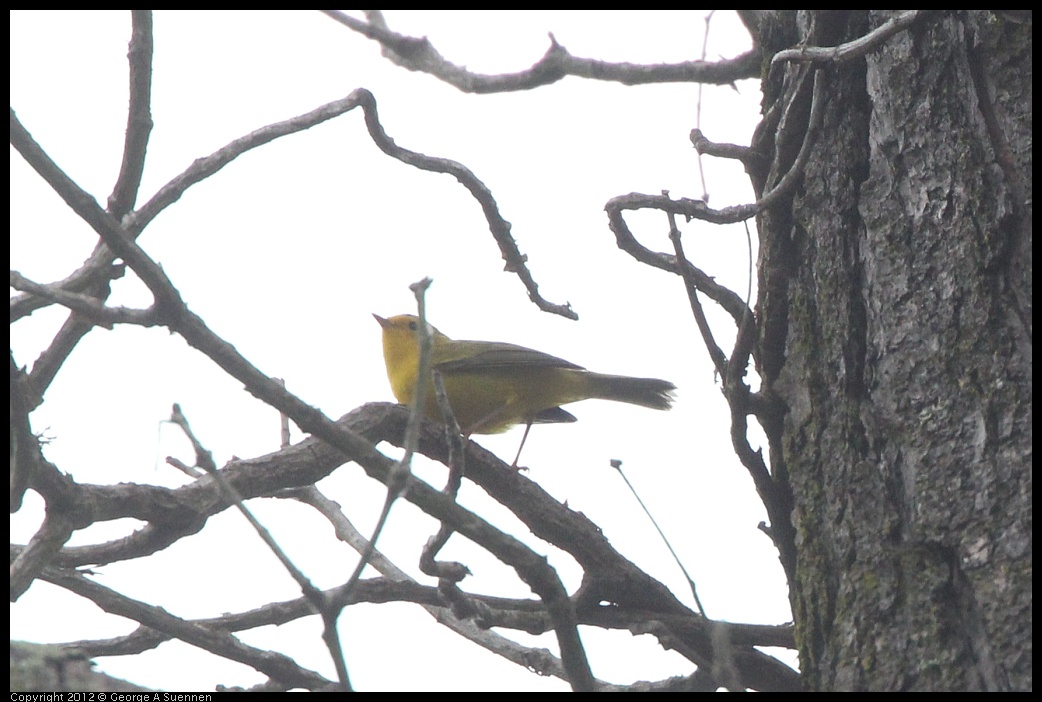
[{"x": 492, "y": 385}]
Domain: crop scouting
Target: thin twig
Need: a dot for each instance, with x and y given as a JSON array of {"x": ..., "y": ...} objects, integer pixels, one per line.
[
  {"x": 204, "y": 460},
  {"x": 617, "y": 465}
]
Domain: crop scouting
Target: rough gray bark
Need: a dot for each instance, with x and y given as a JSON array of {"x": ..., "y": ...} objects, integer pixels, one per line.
[{"x": 895, "y": 291}]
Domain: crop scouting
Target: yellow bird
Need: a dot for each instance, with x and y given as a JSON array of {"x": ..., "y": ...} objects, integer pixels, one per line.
[{"x": 492, "y": 385}]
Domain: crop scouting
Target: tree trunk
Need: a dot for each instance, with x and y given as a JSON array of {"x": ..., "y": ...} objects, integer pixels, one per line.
[{"x": 895, "y": 291}]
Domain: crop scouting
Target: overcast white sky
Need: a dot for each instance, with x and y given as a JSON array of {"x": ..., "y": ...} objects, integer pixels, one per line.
[{"x": 288, "y": 250}]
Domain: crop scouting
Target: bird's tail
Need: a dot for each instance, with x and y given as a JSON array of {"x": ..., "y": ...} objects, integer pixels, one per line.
[{"x": 646, "y": 392}]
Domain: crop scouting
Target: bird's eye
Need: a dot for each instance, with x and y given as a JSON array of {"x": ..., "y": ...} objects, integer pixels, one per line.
[{"x": 413, "y": 326}]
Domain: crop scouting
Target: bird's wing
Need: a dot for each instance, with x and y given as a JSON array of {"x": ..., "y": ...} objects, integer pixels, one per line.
[{"x": 488, "y": 355}]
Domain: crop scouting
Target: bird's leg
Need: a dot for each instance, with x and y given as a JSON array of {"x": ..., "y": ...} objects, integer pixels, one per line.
[
  {"x": 489, "y": 419},
  {"x": 514, "y": 465}
]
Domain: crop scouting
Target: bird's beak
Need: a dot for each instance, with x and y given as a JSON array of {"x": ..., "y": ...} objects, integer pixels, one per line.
[{"x": 381, "y": 320}]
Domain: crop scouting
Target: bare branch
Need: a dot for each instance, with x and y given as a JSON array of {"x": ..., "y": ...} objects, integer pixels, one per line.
[
  {"x": 500, "y": 228},
  {"x": 139, "y": 116},
  {"x": 690, "y": 286},
  {"x": 222, "y": 643},
  {"x": 542, "y": 662},
  {"x": 851, "y": 49},
  {"x": 87, "y": 306},
  {"x": 418, "y": 54},
  {"x": 626, "y": 241}
]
